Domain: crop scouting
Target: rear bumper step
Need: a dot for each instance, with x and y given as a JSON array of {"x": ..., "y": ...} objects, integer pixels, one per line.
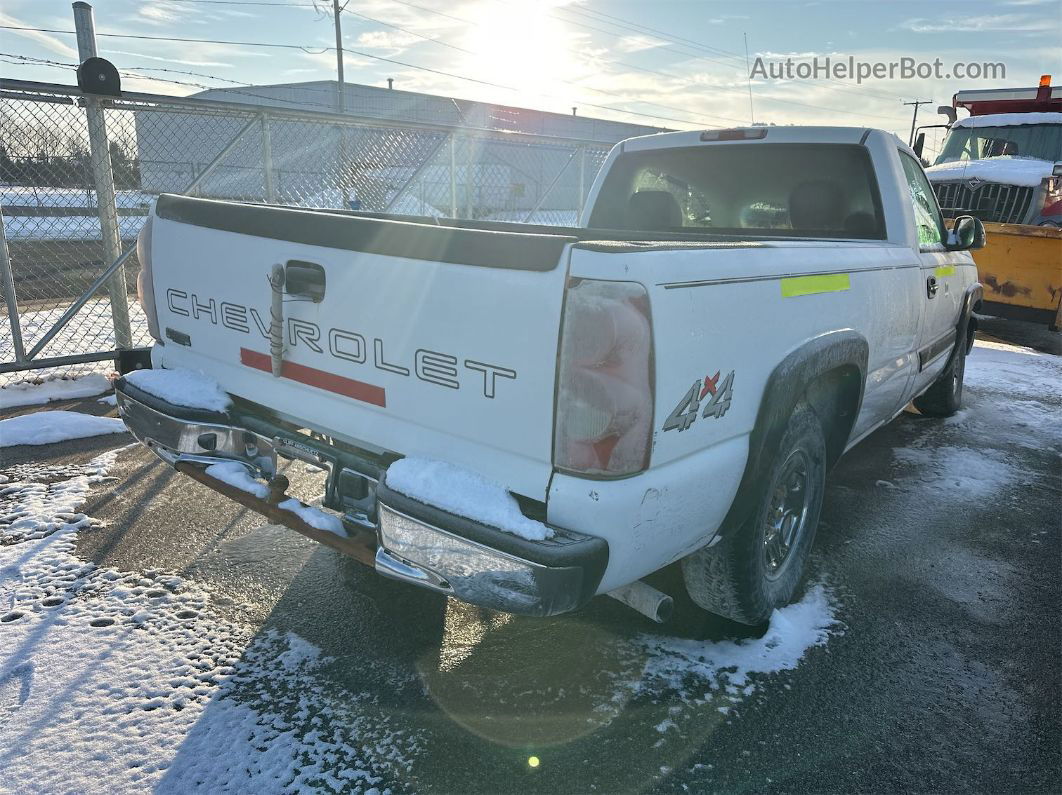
[{"x": 402, "y": 538}]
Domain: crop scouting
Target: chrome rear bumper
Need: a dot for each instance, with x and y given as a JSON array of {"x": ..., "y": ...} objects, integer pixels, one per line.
[{"x": 404, "y": 539}]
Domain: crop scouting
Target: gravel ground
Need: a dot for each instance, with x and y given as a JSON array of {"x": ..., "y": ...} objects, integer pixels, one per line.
[{"x": 925, "y": 655}]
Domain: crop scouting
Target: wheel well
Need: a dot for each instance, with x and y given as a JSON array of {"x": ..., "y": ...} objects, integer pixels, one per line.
[{"x": 834, "y": 396}]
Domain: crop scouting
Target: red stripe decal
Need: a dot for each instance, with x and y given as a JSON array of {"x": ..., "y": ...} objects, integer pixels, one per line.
[{"x": 348, "y": 387}]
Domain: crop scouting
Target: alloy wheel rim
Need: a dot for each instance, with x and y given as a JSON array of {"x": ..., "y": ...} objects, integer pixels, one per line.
[{"x": 787, "y": 515}]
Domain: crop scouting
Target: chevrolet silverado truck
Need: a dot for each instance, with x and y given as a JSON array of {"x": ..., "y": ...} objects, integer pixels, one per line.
[{"x": 523, "y": 417}]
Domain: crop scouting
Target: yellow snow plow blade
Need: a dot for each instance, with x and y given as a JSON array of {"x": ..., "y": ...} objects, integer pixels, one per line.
[{"x": 1021, "y": 270}]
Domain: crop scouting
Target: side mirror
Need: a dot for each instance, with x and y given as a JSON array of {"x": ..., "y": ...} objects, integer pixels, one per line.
[
  {"x": 967, "y": 234},
  {"x": 919, "y": 144},
  {"x": 949, "y": 111}
]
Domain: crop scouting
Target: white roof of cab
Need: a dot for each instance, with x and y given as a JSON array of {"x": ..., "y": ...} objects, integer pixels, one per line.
[{"x": 1009, "y": 119}]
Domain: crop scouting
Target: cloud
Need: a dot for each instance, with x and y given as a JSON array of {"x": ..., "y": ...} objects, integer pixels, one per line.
[
  {"x": 639, "y": 43},
  {"x": 157, "y": 13},
  {"x": 167, "y": 60},
  {"x": 396, "y": 41},
  {"x": 46, "y": 40},
  {"x": 985, "y": 23}
]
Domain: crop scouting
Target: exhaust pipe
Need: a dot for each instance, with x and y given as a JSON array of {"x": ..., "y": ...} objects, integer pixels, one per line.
[{"x": 644, "y": 598}]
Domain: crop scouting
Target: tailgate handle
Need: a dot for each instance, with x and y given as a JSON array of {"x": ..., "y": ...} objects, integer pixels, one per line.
[{"x": 304, "y": 280}]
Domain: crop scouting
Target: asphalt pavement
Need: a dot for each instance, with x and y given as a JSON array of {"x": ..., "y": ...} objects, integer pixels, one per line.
[{"x": 939, "y": 548}]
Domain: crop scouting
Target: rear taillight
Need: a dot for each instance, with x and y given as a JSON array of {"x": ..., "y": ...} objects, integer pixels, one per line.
[
  {"x": 604, "y": 414},
  {"x": 145, "y": 286}
]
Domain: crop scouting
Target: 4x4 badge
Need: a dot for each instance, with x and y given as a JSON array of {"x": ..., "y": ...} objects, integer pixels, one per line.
[{"x": 686, "y": 412}]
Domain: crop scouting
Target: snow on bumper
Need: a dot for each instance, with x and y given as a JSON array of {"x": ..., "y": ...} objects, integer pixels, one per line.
[{"x": 404, "y": 538}]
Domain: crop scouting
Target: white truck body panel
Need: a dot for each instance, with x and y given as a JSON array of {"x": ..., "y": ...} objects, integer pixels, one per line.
[
  {"x": 396, "y": 308},
  {"x": 716, "y": 308}
]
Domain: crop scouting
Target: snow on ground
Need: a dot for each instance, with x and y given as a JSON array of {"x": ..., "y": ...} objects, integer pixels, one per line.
[
  {"x": 31, "y": 196},
  {"x": 127, "y": 682},
  {"x": 89, "y": 331},
  {"x": 48, "y": 427},
  {"x": 29, "y": 393},
  {"x": 67, "y": 227},
  {"x": 1027, "y": 171},
  {"x": 1004, "y": 389},
  {"x": 182, "y": 388},
  {"x": 465, "y": 493},
  {"x": 705, "y": 669}
]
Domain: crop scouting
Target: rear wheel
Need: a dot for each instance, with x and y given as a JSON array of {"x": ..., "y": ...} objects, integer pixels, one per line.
[
  {"x": 944, "y": 397},
  {"x": 758, "y": 566}
]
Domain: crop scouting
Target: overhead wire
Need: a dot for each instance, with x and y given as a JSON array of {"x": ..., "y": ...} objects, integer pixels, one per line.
[{"x": 309, "y": 49}]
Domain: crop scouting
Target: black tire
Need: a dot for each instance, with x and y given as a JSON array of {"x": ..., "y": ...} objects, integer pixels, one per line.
[
  {"x": 944, "y": 397},
  {"x": 758, "y": 566}
]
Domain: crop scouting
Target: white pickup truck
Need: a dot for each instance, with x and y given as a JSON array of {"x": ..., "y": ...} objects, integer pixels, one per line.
[{"x": 523, "y": 417}]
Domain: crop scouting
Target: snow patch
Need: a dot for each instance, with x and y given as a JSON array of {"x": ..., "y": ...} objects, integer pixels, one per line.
[
  {"x": 48, "y": 427},
  {"x": 236, "y": 474},
  {"x": 315, "y": 518},
  {"x": 1008, "y": 120},
  {"x": 1025, "y": 171},
  {"x": 971, "y": 472},
  {"x": 52, "y": 389},
  {"x": 730, "y": 665},
  {"x": 127, "y": 682},
  {"x": 181, "y": 387},
  {"x": 464, "y": 493}
]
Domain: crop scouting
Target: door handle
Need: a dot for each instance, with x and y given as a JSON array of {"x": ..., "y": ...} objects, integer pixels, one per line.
[
  {"x": 931, "y": 287},
  {"x": 305, "y": 280}
]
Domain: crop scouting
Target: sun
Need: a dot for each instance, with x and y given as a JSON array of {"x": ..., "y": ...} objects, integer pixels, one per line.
[{"x": 521, "y": 45}]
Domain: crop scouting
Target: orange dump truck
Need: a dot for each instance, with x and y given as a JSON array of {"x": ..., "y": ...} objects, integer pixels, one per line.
[{"x": 1003, "y": 164}]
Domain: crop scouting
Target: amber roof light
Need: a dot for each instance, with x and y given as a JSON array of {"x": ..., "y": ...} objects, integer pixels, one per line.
[{"x": 1045, "y": 80}]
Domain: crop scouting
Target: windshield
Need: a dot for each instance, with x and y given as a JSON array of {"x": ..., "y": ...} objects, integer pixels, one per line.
[
  {"x": 795, "y": 190},
  {"x": 1043, "y": 141}
]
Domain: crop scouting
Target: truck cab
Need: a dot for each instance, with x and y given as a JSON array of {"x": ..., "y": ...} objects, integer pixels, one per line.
[{"x": 1003, "y": 163}]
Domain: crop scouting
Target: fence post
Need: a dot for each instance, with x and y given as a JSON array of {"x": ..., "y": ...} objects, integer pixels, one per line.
[
  {"x": 7, "y": 281},
  {"x": 103, "y": 178},
  {"x": 267, "y": 161},
  {"x": 453, "y": 173}
]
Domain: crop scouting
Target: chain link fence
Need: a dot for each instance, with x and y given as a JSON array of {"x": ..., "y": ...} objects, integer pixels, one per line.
[{"x": 72, "y": 203}]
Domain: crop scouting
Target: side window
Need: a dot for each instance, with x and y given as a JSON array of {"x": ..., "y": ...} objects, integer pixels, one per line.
[{"x": 927, "y": 215}]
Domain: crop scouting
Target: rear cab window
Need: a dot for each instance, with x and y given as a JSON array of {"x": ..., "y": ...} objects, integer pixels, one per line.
[{"x": 789, "y": 190}]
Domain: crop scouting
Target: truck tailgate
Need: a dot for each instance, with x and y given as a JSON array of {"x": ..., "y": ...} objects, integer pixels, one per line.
[{"x": 427, "y": 341}]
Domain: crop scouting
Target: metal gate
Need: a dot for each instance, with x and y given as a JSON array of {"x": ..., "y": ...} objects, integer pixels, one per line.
[{"x": 78, "y": 174}]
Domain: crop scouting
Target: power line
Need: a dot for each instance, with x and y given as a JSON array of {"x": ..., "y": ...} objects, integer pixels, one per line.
[
  {"x": 628, "y": 25},
  {"x": 629, "y": 65},
  {"x": 309, "y": 49}
]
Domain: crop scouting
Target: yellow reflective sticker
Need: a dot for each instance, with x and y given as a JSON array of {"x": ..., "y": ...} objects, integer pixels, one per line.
[
  {"x": 810, "y": 285},
  {"x": 944, "y": 270}
]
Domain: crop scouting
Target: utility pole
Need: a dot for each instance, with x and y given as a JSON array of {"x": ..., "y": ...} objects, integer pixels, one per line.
[
  {"x": 914, "y": 119},
  {"x": 341, "y": 100},
  {"x": 341, "y": 104}
]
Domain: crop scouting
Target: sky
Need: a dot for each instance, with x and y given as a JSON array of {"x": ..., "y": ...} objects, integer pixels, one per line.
[{"x": 674, "y": 63}]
